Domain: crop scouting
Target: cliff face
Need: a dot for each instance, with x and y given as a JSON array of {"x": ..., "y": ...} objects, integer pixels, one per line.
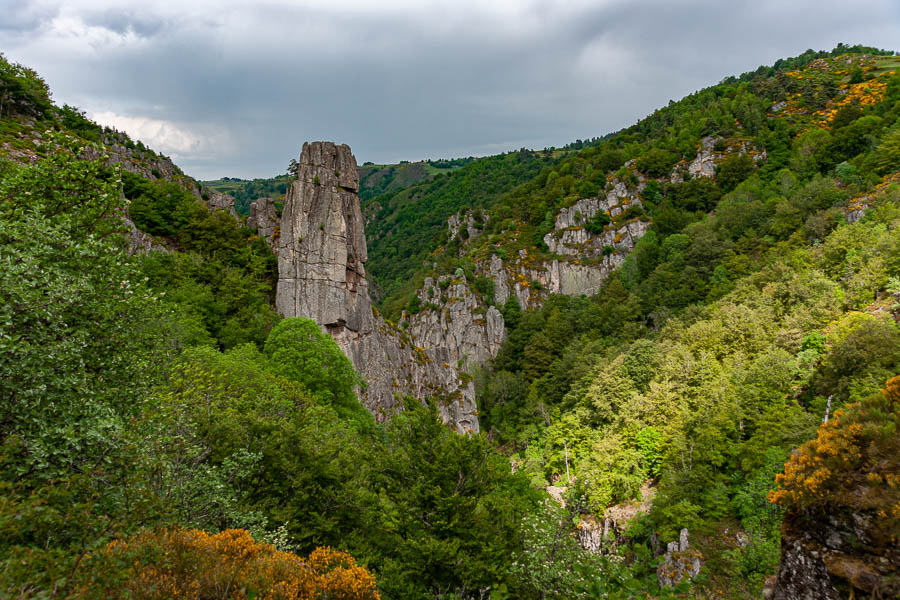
[
  {"x": 322, "y": 247},
  {"x": 833, "y": 556},
  {"x": 321, "y": 275},
  {"x": 585, "y": 254},
  {"x": 455, "y": 327},
  {"x": 264, "y": 218}
]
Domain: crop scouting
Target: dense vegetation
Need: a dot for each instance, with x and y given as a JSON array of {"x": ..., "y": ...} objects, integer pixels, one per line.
[
  {"x": 161, "y": 429},
  {"x": 223, "y": 276},
  {"x": 407, "y": 225},
  {"x": 114, "y": 422},
  {"x": 246, "y": 192},
  {"x": 750, "y": 310}
]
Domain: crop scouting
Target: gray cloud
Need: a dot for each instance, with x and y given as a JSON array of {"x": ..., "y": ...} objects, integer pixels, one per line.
[{"x": 235, "y": 91}]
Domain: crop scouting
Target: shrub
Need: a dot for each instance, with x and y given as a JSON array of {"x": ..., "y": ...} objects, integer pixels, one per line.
[
  {"x": 656, "y": 162},
  {"x": 171, "y": 563},
  {"x": 598, "y": 222},
  {"x": 733, "y": 170},
  {"x": 853, "y": 461}
]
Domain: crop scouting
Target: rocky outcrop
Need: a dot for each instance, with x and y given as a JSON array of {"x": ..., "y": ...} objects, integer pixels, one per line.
[
  {"x": 146, "y": 164},
  {"x": 322, "y": 247},
  {"x": 321, "y": 275},
  {"x": 219, "y": 201},
  {"x": 708, "y": 157},
  {"x": 468, "y": 222},
  {"x": 604, "y": 534},
  {"x": 586, "y": 250},
  {"x": 680, "y": 562},
  {"x": 140, "y": 242},
  {"x": 455, "y": 327},
  {"x": 704, "y": 164},
  {"x": 857, "y": 208},
  {"x": 834, "y": 556},
  {"x": 264, "y": 219}
]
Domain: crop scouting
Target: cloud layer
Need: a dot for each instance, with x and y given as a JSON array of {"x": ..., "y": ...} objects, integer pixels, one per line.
[{"x": 234, "y": 88}]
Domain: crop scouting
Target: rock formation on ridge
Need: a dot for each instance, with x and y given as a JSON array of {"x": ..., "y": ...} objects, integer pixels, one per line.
[{"x": 321, "y": 275}]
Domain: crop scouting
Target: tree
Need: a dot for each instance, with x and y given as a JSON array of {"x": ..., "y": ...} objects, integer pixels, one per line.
[
  {"x": 887, "y": 155},
  {"x": 22, "y": 90},
  {"x": 299, "y": 350},
  {"x": 449, "y": 508},
  {"x": 733, "y": 170},
  {"x": 79, "y": 349}
]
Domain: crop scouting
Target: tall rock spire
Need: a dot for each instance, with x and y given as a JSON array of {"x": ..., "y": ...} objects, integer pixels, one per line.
[
  {"x": 321, "y": 276},
  {"x": 322, "y": 247}
]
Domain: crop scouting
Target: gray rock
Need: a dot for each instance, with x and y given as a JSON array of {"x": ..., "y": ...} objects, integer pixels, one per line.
[
  {"x": 220, "y": 201},
  {"x": 455, "y": 222},
  {"x": 680, "y": 562},
  {"x": 321, "y": 275},
  {"x": 704, "y": 164},
  {"x": 826, "y": 552},
  {"x": 264, "y": 218},
  {"x": 322, "y": 247}
]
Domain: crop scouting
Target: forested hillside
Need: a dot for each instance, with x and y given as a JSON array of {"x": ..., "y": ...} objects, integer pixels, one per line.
[
  {"x": 163, "y": 432},
  {"x": 761, "y": 300}
]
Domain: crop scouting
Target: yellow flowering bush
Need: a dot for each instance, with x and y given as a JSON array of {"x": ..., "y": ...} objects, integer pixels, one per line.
[
  {"x": 189, "y": 563},
  {"x": 853, "y": 462}
]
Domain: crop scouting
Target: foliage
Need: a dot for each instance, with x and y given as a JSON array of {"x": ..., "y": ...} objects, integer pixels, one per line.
[
  {"x": 750, "y": 306},
  {"x": 80, "y": 344},
  {"x": 22, "y": 90},
  {"x": 300, "y": 351},
  {"x": 246, "y": 192},
  {"x": 172, "y": 563},
  {"x": 223, "y": 282},
  {"x": 407, "y": 224},
  {"x": 75, "y": 121},
  {"x": 552, "y": 564},
  {"x": 852, "y": 462},
  {"x": 428, "y": 509},
  {"x": 448, "y": 509}
]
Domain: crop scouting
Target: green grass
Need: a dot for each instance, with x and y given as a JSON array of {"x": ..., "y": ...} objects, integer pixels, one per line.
[{"x": 884, "y": 64}]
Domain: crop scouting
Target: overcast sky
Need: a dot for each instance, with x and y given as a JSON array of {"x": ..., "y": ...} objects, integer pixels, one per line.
[{"x": 235, "y": 87}]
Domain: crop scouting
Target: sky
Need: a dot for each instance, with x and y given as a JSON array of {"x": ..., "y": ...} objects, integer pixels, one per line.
[{"x": 234, "y": 88}]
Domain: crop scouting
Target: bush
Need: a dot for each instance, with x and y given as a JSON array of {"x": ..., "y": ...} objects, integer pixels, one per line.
[
  {"x": 598, "y": 222},
  {"x": 852, "y": 462},
  {"x": 656, "y": 162},
  {"x": 733, "y": 170},
  {"x": 174, "y": 563}
]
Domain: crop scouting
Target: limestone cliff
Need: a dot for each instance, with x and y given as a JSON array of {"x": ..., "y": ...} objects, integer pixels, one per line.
[
  {"x": 455, "y": 326},
  {"x": 837, "y": 554},
  {"x": 583, "y": 254},
  {"x": 264, "y": 219},
  {"x": 322, "y": 253}
]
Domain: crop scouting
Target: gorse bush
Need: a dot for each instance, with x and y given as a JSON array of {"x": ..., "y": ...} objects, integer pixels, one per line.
[
  {"x": 854, "y": 461},
  {"x": 174, "y": 563}
]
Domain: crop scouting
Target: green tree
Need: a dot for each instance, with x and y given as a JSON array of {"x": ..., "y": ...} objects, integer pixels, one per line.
[
  {"x": 733, "y": 170},
  {"x": 299, "y": 350},
  {"x": 449, "y": 508},
  {"x": 79, "y": 349}
]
